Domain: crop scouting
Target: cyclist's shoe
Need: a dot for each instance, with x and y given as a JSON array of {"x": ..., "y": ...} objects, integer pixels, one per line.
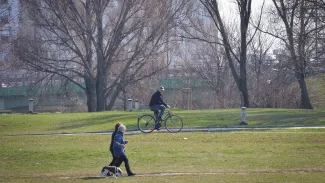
[{"x": 157, "y": 126}]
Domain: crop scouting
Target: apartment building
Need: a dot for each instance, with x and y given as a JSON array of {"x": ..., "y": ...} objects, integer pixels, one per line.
[{"x": 9, "y": 24}]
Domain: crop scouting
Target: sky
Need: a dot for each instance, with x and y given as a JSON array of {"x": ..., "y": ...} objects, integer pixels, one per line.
[
  {"x": 231, "y": 10},
  {"x": 231, "y": 6}
]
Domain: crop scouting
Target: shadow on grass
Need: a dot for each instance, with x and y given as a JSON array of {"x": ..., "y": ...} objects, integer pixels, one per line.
[
  {"x": 98, "y": 120},
  {"x": 223, "y": 118},
  {"x": 92, "y": 178}
]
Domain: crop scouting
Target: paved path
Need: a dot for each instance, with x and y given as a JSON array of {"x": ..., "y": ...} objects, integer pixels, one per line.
[{"x": 196, "y": 129}]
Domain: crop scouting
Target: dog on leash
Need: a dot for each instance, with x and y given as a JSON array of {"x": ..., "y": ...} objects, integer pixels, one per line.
[{"x": 111, "y": 171}]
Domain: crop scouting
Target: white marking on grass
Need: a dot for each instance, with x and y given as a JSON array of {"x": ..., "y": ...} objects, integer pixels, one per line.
[{"x": 158, "y": 174}]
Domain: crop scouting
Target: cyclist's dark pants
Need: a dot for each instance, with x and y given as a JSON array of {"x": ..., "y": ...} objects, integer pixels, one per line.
[{"x": 160, "y": 108}]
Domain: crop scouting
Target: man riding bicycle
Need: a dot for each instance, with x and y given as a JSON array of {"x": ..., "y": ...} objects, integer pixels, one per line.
[{"x": 157, "y": 104}]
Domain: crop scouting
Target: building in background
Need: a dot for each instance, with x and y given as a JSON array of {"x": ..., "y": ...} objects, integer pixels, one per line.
[
  {"x": 9, "y": 24},
  {"x": 15, "y": 82},
  {"x": 9, "y": 18}
]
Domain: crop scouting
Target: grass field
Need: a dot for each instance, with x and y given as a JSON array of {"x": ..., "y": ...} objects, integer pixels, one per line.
[
  {"x": 246, "y": 156},
  {"x": 104, "y": 121}
]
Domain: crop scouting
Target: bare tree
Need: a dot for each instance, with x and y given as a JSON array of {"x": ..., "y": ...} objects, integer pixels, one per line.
[
  {"x": 56, "y": 40},
  {"x": 296, "y": 21},
  {"x": 260, "y": 66},
  {"x": 207, "y": 63},
  {"x": 85, "y": 41},
  {"x": 147, "y": 47},
  {"x": 240, "y": 77},
  {"x": 316, "y": 10}
]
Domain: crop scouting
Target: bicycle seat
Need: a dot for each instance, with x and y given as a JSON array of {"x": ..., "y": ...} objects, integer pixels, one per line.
[{"x": 155, "y": 112}]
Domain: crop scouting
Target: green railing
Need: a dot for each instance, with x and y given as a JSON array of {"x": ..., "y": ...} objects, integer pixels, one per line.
[{"x": 25, "y": 90}]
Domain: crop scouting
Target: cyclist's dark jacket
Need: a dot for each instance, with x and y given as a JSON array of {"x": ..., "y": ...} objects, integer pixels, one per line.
[{"x": 157, "y": 99}]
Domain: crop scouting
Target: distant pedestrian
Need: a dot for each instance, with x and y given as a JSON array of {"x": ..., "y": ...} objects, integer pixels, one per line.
[
  {"x": 112, "y": 142},
  {"x": 119, "y": 150}
]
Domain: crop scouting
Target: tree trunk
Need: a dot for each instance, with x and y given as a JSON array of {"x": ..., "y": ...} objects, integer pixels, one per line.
[
  {"x": 298, "y": 56},
  {"x": 244, "y": 92},
  {"x": 243, "y": 79},
  {"x": 100, "y": 94},
  {"x": 124, "y": 100},
  {"x": 305, "y": 101},
  {"x": 100, "y": 80},
  {"x": 113, "y": 99},
  {"x": 91, "y": 94},
  {"x": 244, "y": 19},
  {"x": 245, "y": 10}
]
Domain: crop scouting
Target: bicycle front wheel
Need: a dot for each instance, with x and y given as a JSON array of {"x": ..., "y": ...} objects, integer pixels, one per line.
[
  {"x": 174, "y": 124},
  {"x": 146, "y": 123}
]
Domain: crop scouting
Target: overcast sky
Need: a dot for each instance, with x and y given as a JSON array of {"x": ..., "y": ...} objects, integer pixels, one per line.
[
  {"x": 230, "y": 6},
  {"x": 229, "y": 9}
]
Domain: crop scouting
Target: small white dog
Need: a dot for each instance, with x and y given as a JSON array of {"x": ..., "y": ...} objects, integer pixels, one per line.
[{"x": 111, "y": 171}]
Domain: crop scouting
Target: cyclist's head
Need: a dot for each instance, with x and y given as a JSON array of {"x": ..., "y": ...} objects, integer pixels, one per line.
[{"x": 161, "y": 89}]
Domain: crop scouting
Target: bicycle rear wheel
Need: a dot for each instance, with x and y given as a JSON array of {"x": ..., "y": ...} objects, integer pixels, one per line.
[
  {"x": 146, "y": 123},
  {"x": 174, "y": 123}
]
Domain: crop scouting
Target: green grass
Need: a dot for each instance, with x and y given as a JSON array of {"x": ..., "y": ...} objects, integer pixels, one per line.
[
  {"x": 104, "y": 121},
  {"x": 247, "y": 156},
  {"x": 234, "y": 157}
]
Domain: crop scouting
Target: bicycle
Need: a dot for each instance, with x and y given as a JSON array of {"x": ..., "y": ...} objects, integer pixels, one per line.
[{"x": 148, "y": 122}]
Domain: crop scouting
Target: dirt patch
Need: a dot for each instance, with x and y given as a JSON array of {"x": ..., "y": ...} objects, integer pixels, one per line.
[{"x": 92, "y": 177}]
